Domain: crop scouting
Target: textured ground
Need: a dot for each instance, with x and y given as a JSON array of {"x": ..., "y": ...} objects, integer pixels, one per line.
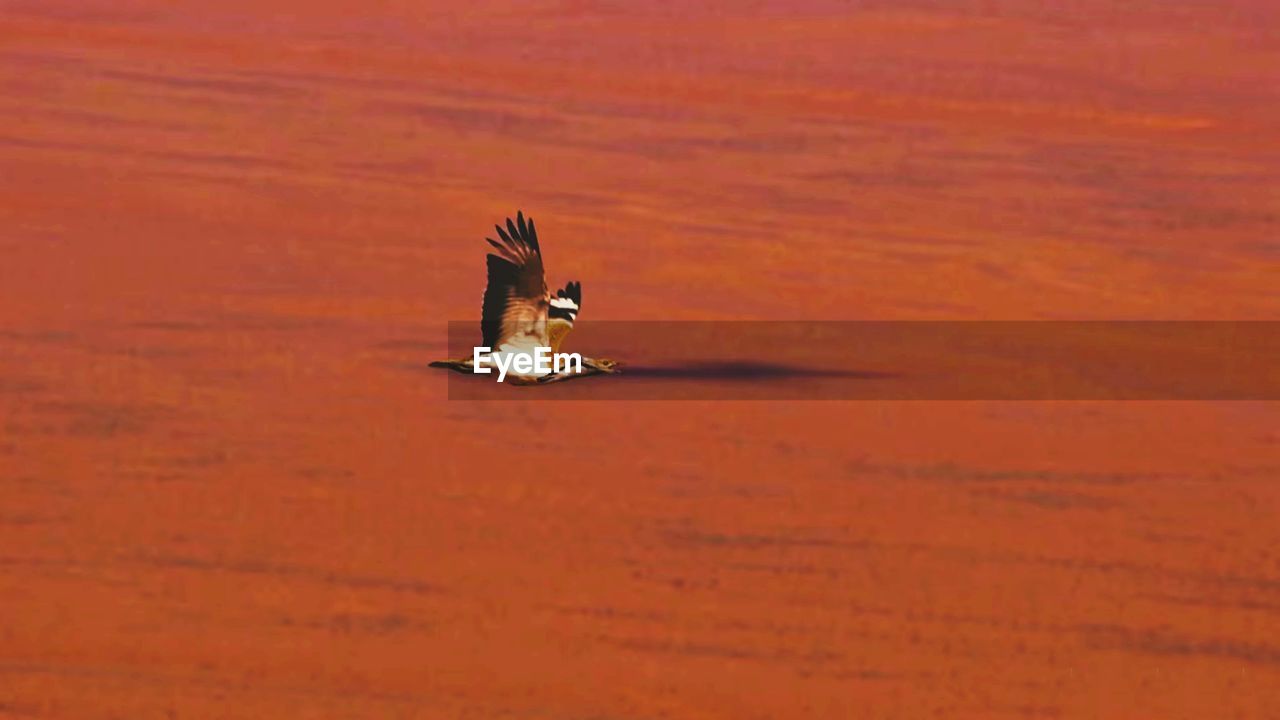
[{"x": 232, "y": 232}]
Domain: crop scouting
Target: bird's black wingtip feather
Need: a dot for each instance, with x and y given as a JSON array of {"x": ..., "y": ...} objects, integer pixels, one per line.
[
  {"x": 518, "y": 231},
  {"x": 572, "y": 291},
  {"x": 533, "y": 236},
  {"x": 495, "y": 260}
]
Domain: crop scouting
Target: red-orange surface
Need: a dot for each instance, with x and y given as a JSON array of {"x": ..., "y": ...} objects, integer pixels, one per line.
[{"x": 231, "y": 233}]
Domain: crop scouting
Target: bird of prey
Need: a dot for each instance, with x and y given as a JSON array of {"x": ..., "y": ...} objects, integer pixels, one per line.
[{"x": 519, "y": 315}]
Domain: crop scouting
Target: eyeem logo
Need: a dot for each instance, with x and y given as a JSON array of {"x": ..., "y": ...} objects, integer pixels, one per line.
[{"x": 541, "y": 362}]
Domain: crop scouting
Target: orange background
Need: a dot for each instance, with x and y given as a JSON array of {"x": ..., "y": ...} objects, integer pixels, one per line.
[{"x": 232, "y": 234}]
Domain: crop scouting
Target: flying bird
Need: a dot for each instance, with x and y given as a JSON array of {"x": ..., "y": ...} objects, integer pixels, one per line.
[{"x": 519, "y": 315}]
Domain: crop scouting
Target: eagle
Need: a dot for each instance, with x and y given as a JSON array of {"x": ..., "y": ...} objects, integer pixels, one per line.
[{"x": 519, "y": 315}]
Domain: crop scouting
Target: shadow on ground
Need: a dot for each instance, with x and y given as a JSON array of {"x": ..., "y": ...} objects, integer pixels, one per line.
[{"x": 745, "y": 370}]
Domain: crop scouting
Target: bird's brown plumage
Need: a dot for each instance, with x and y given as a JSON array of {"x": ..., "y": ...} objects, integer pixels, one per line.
[{"x": 516, "y": 300}]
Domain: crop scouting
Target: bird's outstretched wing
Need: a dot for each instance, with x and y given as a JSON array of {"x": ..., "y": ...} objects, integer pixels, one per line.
[
  {"x": 569, "y": 298},
  {"x": 562, "y": 313},
  {"x": 516, "y": 299}
]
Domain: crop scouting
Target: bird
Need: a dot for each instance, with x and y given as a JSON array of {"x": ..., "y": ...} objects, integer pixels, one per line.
[{"x": 519, "y": 315}]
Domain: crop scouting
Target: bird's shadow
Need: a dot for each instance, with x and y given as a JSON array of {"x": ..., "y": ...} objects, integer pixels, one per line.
[{"x": 744, "y": 371}]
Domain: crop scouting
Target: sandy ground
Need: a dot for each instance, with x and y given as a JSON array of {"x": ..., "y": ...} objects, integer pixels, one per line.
[{"x": 232, "y": 234}]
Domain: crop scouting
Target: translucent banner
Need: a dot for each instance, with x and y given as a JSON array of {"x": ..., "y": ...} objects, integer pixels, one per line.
[{"x": 803, "y": 360}]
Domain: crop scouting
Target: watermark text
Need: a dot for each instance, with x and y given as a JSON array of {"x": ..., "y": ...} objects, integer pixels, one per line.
[{"x": 541, "y": 362}]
